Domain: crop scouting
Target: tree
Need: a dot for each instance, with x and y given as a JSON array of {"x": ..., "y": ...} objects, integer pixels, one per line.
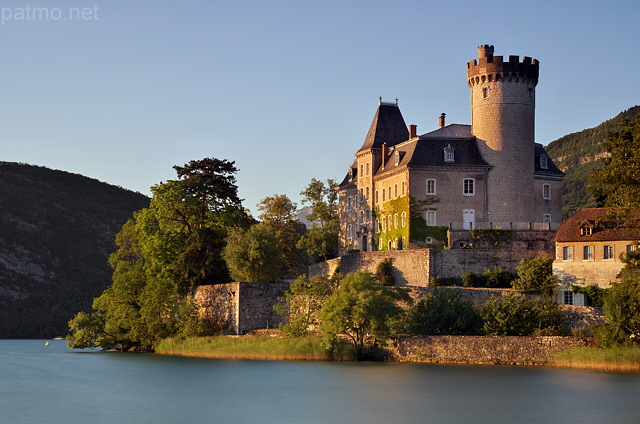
[
  {"x": 622, "y": 306},
  {"x": 254, "y": 255},
  {"x": 617, "y": 183},
  {"x": 535, "y": 275},
  {"x": 164, "y": 252},
  {"x": 321, "y": 239},
  {"x": 361, "y": 309},
  {"x": 515, "y": 315},
  {"x": 303, "y": 303},
  {"x": 279, "y": 213},
  {"x": 444, "y": 312}
]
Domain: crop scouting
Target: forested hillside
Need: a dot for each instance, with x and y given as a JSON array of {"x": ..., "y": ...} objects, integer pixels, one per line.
[
  {"x": 577, "y": 155},
  {"x": 57, "y": 232}
]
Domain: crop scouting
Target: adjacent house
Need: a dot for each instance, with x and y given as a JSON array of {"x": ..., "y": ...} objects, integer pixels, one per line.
[{"x": 589, "y": 246}]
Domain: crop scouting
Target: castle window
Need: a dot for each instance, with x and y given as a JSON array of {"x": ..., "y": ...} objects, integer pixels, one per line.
[
  {"x": 361, "y": 194},
  {"x": 404, "y": 219},
  {"x": 367, "y": 192},
  {"x": 395, "y": 191},
  {"x": 367, "y": 168},
  {"x": 380, "y": 244},
  {"x": 349, "y": 232},
  {"x": 403, "y": 188},
  {"x": 567, "y": 253},
  {"x": 546, "y": 191},
  {"x": 608, "y": 252},
  {"x": 376, "y": 196},
  {"x": 631, "y": 248},
  {"x": 397, "y": 157},
  {"x": 389, "y": 192},
  {"x": 362, "y": 170},
  {"x": 349, "y": 203},
  {"x": 389, "y": 222},
  {"x": 586, "y": 230},
  {"x": 469, "y": 187},
  {"x": 431, "y": 187},
  {"x": 568, "y": 298},
  {"x": 485, "y": 92},
  {"x": 429, "y": 240},
  {"x": 361, "y": 216},
  {"x": 587, "y": 253},
  {"x": 544, "y": 162},
  {"x": 448, "y": 154},
  {"x": 546, "y": 217},
  {"x": 383, "y": 193},
  {"x": 383, "y": 224},
  {"x": 530, "y": 93},
  {"x": 431, "y": 218},
  {"x": 395, "y": 220}
]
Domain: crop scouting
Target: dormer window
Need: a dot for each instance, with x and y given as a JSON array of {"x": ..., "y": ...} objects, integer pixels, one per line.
[
  {"x": 397, "y": 157},
  {"x": 544, "y": 162},
  {"x": 586, "y": 230},
  {"x": 448, "y": 154}
]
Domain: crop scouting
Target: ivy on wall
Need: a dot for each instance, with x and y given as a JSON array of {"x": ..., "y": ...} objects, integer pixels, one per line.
[
  {"x": 419, "y": 230},
  {"x": 490, "y": 238},
  {"x": 392, "y": 208}
]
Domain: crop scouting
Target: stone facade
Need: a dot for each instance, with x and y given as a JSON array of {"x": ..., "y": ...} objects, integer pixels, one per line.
[
  {"x": 241, "y": 307},
  {"x": 415, "y": 267},
  {"x": 485, "y": 175}
]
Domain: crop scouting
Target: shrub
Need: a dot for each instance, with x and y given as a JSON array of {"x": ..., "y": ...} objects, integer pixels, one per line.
[
  {"x": 384, "y": 273},
  {"x": 535, "y": 275},
  {"x": 515, "y": 315},
  {"x": 469, "y": 279},
  {"x": 497, "y": 277},
  {"x": 444, "y": 312}
]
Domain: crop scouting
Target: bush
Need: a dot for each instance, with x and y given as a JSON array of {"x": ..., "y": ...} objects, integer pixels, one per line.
[
  {"x": 497, "y": 277},
  {"x": 515, "y": 315},
  {"x": 444, "y": 312},
  {"x": 535, "y": 275},
  {"x": 469, "y": 279},
  {"x": 384, "y": 273}
]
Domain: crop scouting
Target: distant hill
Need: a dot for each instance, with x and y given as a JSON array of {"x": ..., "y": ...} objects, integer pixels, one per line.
[
  {"x": 577, "y": 155},
  {"x": 57, "y": 230}
]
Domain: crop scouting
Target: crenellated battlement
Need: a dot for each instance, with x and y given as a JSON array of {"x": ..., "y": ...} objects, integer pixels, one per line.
[{"x": 494, "y": 68}]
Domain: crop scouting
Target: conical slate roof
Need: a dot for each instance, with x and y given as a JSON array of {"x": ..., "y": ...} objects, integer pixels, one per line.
[{"x": 387, "y": 127}]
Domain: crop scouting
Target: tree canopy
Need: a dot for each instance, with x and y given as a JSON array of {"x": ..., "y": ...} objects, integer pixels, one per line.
[
  {"x": 617, "y": 183},
  {"x": 164, "y": 252},
  {"x": 321, "y": 240}
]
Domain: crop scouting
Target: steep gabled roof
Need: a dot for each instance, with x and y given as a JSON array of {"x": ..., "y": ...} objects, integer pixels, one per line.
[
  {"x": 551, "y": 170},
  {"x": 602, "y": 224},
  {"x": 387, "y": 127}
]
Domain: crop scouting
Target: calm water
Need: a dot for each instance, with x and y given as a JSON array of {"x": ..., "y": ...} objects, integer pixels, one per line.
[{"x": 52, "y": 384}]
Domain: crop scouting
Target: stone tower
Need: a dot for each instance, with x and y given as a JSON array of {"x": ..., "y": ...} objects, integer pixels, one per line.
[{"x": 503, "y": 121}]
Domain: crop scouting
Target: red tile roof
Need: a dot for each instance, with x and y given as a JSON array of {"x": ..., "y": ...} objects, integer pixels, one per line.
[{"x": 605, "y": 226}]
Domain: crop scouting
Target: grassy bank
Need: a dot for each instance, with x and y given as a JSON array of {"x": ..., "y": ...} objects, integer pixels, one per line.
[
  {"x": 254, "y": 347},
  {"x": 612, "y": 359}
]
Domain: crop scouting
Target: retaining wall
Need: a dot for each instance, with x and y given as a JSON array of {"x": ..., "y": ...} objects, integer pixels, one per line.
[{"x": 483, "y": 349}]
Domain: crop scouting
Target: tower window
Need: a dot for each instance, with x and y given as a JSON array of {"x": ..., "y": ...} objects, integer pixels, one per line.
[
  {"x": 469, "y": 187},
  {"x": 530, "y": 93},
  {"x": 546, "y": 217},
  {"x": 485, "y": 92},
  {"x": 431, "y": 187},
  {"x": 546, "y": 191},
  {"x": 448, "y": 154}
]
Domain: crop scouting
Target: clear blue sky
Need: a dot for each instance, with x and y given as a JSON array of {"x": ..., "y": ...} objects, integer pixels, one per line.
[{"x": 124, "y": 90}]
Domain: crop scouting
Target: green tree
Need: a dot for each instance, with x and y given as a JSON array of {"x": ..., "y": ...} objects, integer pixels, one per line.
[
  {"x": 164, "y": 252},
  {"x": 321, "y": 240},
  {"x": 279, "y": 213},
  {"x": 303, "y": 303},
  {"x": 254, "y": 255},
  {"x": 535, "y": 275},
  {"x": 516, "y": 315},
  {"x": 617, "y": 183},
  {"x": 444, "y": 312},
  {"x": 363, "y": 310}
]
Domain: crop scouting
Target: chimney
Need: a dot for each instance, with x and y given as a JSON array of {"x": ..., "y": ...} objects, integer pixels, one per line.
[
  {"x": 384, "y": 154},
  {"x": 442, "y": 120},
  {"x": 413, "y": 131}
]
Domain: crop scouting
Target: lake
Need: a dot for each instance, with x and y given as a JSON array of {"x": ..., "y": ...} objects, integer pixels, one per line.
[{"x": 52, "y": 384}]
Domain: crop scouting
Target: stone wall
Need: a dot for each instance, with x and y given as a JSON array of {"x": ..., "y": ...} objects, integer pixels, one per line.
[
  {"x": 483, "y": 349},
  {"x": 416, "y": 267},
  {"x": 240, "y": 307}
]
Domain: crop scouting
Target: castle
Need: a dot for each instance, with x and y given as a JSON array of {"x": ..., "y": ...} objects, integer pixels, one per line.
[{"x": 407, "y": 190}]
